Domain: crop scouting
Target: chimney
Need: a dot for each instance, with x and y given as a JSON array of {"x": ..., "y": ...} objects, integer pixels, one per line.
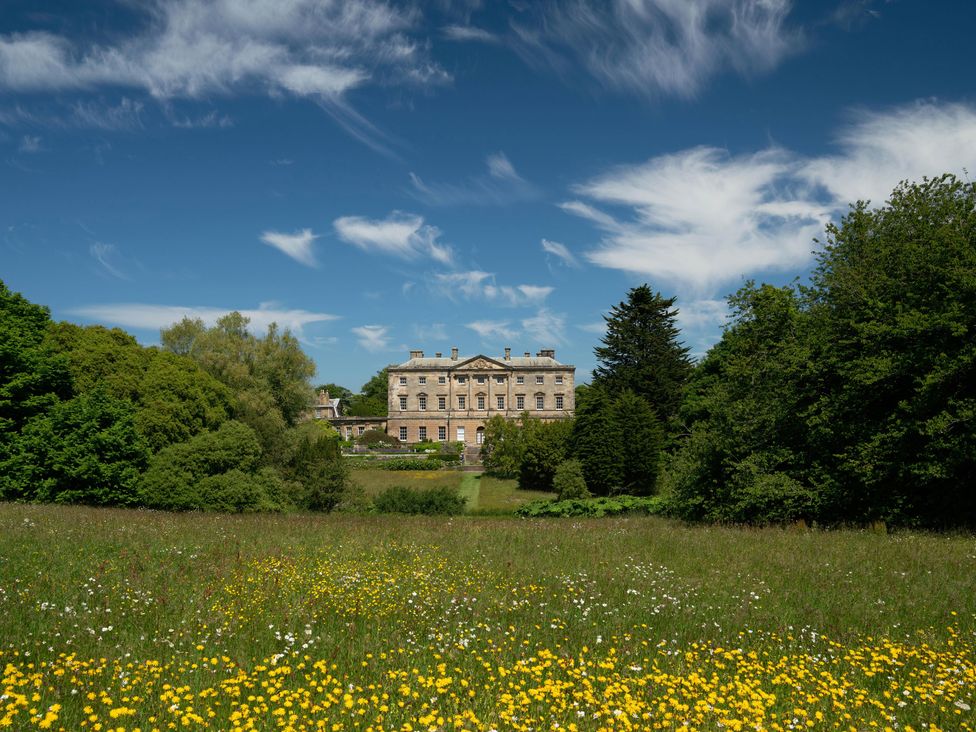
[
  {"x": 527, "y": 354},
  {"x": 438, "y": 354},
  {"x": 508, "y": 354},
  {"x": 416, "y": 354},
  {"x": 454, "y": 356},
  {"x": 323, "y": 396},
  {"x": 548, "y": 353}
]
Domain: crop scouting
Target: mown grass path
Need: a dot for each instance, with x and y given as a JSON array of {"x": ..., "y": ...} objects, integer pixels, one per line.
[{"x": 469, "y": 489}]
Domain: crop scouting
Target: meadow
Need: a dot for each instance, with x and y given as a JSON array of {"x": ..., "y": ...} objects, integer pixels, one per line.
[{"x": 137, "y": 620}]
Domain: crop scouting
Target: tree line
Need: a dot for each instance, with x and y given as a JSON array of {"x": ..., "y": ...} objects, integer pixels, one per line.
[
  {"x": 211, "y": 419},
  {"x": 850, "y": 399}
]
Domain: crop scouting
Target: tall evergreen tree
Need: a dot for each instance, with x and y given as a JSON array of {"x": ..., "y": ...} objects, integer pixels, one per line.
[
  {"x": 598, "y": 443},
  {"x": 641, "y": 351},
  {"x": 641, "y": 442}
]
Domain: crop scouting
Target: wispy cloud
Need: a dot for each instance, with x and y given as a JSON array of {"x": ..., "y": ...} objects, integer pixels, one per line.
[
  {"x": 702, "y": 217},
  {"x": 429, "y": 332},
  {"x": 154, "y": 317},
  {"x": 30, "y": 144},
  {"x": 702, "y": 314},
  {"x": 501, "y": 184},
  {"x": 298, "y": 246},
  {"x": 107, "y": 257},
  {"x": 373, "y": 338},
  {"x": 193, "y": 49},
  {"x": 598, "y": 328},
  {"x": 400, "y": 234},
  {"x": 561, "y": 252},
  {"x": 464, "y": 33},
  {"x": 474, "y": 285},
  {"x": 126, "y": 115},
  {"x": 493, "y": 329},
  {"x": 657, "y": 47},
  {"x": 546, "y": 327}
]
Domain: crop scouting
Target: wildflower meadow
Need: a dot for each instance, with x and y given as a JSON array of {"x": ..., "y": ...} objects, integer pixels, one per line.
[{"x": 137, "y": 620}]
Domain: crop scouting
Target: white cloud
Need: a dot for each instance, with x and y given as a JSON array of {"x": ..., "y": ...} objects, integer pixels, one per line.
[
  {"x": 702, "y": 314},
  {"x": 880, "y": 149},
  {"x": 468, "y": 33},
  {"x": 403, "y": 235},
  {"x": 373, "y": 338},
  {"x": 560, "y": 251},
  {"x": 654, "y": 47},
  {"x": 475, "y": 284},
  {"x": 493, "y": 329},
  {"x": 154, "y": 317},
  {"x": 702, "y": 217},
  {"x": 30, "y": 144},
  {"x": 546, "y": 327},
  {"x": 500, "y": 185},
  {"x": 199, "y": 48},
  {"x": 105, "y": 254},
  {"x": 598, "y": 328},
  {"x": 298, "y": 246},
  {"x": 430, "y": 332}
]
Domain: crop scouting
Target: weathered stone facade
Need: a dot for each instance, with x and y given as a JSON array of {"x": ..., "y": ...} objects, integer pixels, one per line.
[{"x": 449, "y": 399}]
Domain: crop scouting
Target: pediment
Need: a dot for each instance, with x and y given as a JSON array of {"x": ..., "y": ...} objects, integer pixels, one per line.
[{"x": 480, "y": 363}]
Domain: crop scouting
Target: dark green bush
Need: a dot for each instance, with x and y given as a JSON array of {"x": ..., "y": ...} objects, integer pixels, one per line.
[
  {"x": 377, "y": 438},
  {"x": 446, "y": 458},
  {"x": 569, "y": 482},
  {"x": 593, "y": 507},
  {"x": 437, "y": 501}
]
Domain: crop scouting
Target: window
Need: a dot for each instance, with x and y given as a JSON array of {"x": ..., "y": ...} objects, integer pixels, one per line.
[
  {"x": 442, "y": 433},
  {"x": 422, "y": 402},
  {"x": 499, "y": 379},
  {"x": 461, "y": 402},
  {"x": 462, "y": 379},
  {"x": 349, "y": 433},
  {"x": 441, "y": 379},
  {"x": 403, "y": 381},
  {"x": 559, "y": 379},
  {"x": 442, "y": 402},
  {"x": 403, "y": 403},
  {"x": 481, "y": 379},
  {"x": 520, "y": 401},
  {"x": 423, "y": 380},
  {"x": 519, "y": 379},
  {"x": 540, "y": 402},
  {"x": 481, "y": 401},
  {"x": 403, "y": 434},
  {"x": 540, "y": 379},
  {"x": 361, "y": 429},
  {"x": 422, "y": 433},
  {"x": 501, "y": 402},
  {"x": 559, "y": 401}
]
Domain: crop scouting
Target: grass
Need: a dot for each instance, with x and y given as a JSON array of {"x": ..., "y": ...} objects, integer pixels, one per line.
[
  {"x": 136, "y": 619},
  {"x": 374, "y": 482}
]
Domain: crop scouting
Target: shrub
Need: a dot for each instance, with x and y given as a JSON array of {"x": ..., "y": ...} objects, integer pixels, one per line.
[
  {"x": 427, "y": 446},
  {"x": 410, "y": 464},
  {"x": 569, "y": 482},
  {"x": 377, "y": 438},
  {"x": 446, "y": 458},
  {"x": 593, "y": 507},
  {"x": 437, "y": 501}
]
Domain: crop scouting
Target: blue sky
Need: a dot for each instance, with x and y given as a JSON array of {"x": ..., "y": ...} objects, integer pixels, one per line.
[{"x": 381, "y": 176}]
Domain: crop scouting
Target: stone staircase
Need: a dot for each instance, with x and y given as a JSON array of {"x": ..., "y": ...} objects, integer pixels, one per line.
[{"x": 472, "y": 457}]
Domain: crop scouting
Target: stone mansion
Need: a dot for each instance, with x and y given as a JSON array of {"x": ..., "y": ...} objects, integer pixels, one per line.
[{"x": 449, "y": 399}]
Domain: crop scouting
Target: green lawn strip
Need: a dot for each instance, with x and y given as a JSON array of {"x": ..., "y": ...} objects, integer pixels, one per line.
[{"x": 470, "y": 489}]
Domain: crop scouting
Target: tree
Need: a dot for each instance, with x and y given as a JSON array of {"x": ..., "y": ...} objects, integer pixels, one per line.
[
  {"x": 894, "y": 316},
  {"x": 337, "y": 392},
  {"x": 642, "y": 440},
  {"x": 598, "y": 443},
  {"x": 546, "y": 446},
  {"x": 641, "y": 352},
  {"x": 568, "y": 481},
  {"x": 503, "y": 448},
  {"x": 372, "y": 399}
]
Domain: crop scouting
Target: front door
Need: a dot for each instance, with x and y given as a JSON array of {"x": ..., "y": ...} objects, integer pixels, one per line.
[
  {"x": 480, "y": 435},
  {"x": 460, "y": 434}
]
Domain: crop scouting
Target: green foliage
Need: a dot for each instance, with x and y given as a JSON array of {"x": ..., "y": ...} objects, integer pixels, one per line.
[
  {"x": 546, "y": 446},
  {"x": 411, "y": 464},
  {"x": 377, "y": 438},
  {"x": 853, "y": 400},
  {"x": 641, "y": 352},
  {"x": 202, "y": 474},
  {"x": 316, "y": 464},
  {"x": 436, "y": 501},
  {"x": 445, "y": 458},
  {"x": 598, "y": 443},
  {"x": 503, "y": 448},
  {"x": 83, "y": 450},
  {"x": 372, "y": 399},
  {"x": 568, "y": 482},
  {"x": 593, "y": 507}
]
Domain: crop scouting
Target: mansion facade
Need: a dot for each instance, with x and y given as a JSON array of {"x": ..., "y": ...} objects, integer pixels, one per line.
[{"x": 448, "y": 399}]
